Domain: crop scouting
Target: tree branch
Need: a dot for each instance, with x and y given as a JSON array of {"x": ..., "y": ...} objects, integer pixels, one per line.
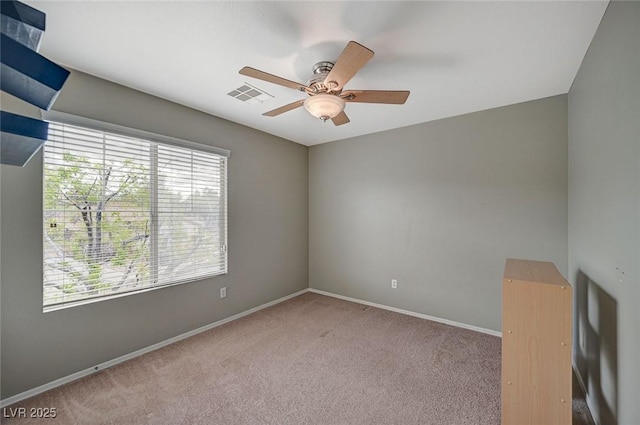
[
  {"x": 71, "y": 201},
  {"x": 117, "y": 192},
  {"x": 106, "y": 176},
  {"x": 129, "y": 268},
  {"x": 86, "y": 197},
  {"x": 59, "y": 264},
  {"x": 134, "y": 239}
]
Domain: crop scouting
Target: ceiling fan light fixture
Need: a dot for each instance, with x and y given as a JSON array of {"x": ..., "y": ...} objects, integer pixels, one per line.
[{"x": 324, "y": 106}]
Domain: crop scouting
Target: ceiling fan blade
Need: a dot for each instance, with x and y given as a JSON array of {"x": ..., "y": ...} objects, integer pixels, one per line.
[
  {"x": 340, "y": 119},
  {"x": 285, "y": 108},
  {"x": 397, "y": 97},
  {"x": 352, "y": 58},
  {"x": 265, "y": 76}
]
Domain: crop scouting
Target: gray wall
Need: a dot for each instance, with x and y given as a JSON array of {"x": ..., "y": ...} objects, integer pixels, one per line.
[
  {"x": 440, "y": 206},
  {"x": 268, "y": 243},
  {"x": 604, "y": 215}
]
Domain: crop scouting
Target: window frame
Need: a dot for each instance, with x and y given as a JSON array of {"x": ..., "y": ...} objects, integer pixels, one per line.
[{"x": 96, "y": 125}]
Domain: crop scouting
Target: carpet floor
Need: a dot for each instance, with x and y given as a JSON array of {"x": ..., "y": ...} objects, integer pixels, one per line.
[{"x": 309, "y": 360}]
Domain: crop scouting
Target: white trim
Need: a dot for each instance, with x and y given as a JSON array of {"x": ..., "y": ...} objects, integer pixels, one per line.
[
  {"x": 81, "y": 374},
  {"x": 74, "y": 376},
  {"x": 596, "y": 420},
  {"x": 80, "y": 121},
  {"x": 410, "y": 313}
]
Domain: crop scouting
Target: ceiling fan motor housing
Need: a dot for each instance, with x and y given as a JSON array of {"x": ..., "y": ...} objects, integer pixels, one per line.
[
  {"x": 324, "y": 102},
  {"x": 316, "y": 82}
]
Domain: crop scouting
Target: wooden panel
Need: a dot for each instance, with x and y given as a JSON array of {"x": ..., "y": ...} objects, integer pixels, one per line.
[
  {"x": 533, "y": 271},
  {"x": 285, "y": 108},
  {"x": 396, "y": 97},
  {"x": 270, "y": 78},
  {"x": 340, "y": 119},
  {"x": 536, "y": 345},
  {"x": 352, "y": 58}
]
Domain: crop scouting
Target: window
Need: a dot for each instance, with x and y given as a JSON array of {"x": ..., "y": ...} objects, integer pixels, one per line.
[{"x": 125, "y": 214}]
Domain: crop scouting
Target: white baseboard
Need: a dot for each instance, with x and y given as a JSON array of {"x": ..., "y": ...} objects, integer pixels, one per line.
[
  {"x": 81, "y": 374},
  {"x": 596, "y": 420},
  {"x": 410, "y": 313},
  {"x": 74, "y": 376}
]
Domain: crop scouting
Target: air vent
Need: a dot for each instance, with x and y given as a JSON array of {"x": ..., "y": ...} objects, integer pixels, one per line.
[{"x": 250, "y": 94}]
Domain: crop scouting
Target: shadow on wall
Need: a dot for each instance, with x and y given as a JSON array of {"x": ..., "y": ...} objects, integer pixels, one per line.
[{"x": 596, "y": 348}]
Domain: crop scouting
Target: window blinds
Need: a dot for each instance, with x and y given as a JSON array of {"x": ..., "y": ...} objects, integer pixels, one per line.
[{"x": 124, "y": 214}]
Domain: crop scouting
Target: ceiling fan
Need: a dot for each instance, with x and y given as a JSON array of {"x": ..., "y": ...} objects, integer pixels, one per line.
[{"x": 325, "y": 88}]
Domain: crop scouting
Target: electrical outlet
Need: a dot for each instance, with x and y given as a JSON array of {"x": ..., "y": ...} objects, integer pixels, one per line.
[
  {"x": 223, "y": 292},
  {"x": 394, "y": 283}
]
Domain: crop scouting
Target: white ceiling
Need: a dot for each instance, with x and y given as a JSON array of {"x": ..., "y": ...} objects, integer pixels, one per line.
[{"x": 454, "y": 57}]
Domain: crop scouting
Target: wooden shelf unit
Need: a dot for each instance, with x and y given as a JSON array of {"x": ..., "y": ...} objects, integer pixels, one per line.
[{"x": 536, "y": 344}]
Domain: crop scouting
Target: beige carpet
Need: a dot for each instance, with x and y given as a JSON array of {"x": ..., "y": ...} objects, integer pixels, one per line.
[{"x": 309, "y": 360}]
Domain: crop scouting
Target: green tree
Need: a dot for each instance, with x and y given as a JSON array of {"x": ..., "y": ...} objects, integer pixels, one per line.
[{"x": 103, "y": 208}]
